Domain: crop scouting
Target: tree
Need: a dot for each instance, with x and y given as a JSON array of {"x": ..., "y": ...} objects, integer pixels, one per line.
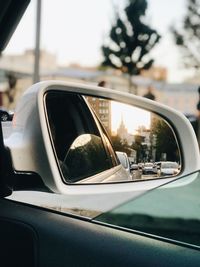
[
  {"x": 187, "y": 37},
  {"x": 130, "y": 40}
]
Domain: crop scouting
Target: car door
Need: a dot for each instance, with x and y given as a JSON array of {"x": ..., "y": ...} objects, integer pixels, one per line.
[{"x": 35, "y": 236}]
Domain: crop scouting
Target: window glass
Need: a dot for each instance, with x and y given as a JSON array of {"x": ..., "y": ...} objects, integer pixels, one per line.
[{"x": 171, "y": 211}]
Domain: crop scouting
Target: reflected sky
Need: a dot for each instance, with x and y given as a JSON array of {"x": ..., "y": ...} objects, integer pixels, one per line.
[{"x": 132, "y": 117}]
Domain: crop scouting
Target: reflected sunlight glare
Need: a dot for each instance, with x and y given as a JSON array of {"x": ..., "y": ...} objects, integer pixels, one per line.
[{"x": 132, "y": 117}]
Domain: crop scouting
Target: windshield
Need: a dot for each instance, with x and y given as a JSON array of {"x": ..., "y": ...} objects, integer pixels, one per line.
[{"x": 171, "y": 211}]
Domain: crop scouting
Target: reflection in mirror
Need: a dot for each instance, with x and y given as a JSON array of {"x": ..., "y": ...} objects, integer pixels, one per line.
[
  {"x": 146, "y": 139},
  {"x": 81, "y": 159},
  {"x": 144, "y": 143}
]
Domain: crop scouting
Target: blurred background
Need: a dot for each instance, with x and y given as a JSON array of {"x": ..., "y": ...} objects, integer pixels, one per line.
[{"x": 145, "y": 47}]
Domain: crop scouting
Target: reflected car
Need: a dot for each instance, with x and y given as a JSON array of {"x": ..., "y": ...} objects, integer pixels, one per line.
[
  {"x": 141, "y": 165},
  {"x": 6, "y": 115},
  {"x": 168, "y": 168},
  {"x": 149, "y": 168},
  {"x": 136, "y": 171},
  {"x": 134, "y": 167}
]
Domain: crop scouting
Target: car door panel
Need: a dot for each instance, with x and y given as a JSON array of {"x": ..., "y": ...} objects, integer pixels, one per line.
[
  {"x": 54, "y": 239},
  {"x": 18, "y": 243}
]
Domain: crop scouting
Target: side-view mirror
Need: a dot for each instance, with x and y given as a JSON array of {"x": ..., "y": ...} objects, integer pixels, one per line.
[{"x": 68, "y": 134}]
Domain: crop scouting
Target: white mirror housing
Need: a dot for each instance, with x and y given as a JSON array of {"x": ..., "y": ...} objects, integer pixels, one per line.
[{"x": 31, "y": 146}]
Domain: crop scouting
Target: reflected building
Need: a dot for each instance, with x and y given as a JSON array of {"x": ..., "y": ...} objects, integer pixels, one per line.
[
  {"x": 145, "y": 133},
  {"x": 144, "y": 138},
  {"x": 123, "y": 133},
  {"x": 102, "y": 108}
]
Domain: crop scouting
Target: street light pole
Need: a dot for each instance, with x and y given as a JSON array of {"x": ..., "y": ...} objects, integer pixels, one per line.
[{"x": 36, "y": 74}]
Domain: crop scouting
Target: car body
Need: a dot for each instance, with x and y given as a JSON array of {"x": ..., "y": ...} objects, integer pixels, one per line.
[{"x": 46, "y": 220}]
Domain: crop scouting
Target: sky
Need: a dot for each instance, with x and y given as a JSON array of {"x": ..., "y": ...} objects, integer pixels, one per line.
[{"x": 75, "y": 30}]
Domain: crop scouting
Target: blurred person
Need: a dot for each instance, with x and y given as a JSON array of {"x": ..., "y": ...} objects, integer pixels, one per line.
[
  {"x": 149, "y": 93},
  {"x": 102, "y": 83},
  {"x": 12, "y": 81}
]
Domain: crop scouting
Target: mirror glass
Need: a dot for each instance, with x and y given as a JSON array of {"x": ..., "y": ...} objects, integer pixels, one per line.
[
  {"x": 81, "y": 159},
  {"x": 147, "y": 141},
  {"x": 91, "y": 135}
]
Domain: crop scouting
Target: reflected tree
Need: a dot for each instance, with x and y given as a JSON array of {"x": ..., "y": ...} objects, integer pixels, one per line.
[
  {"x": 120, "y": 144},
  {"x": 163, "y": 141},
  {"x": 139, "y": 148}
]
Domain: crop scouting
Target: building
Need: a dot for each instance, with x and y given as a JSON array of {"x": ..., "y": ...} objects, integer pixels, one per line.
[
  {"x": 155, "y": 73},
  {"x": 183, "y": 97},
  {"x": 24, "y": 63}
]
